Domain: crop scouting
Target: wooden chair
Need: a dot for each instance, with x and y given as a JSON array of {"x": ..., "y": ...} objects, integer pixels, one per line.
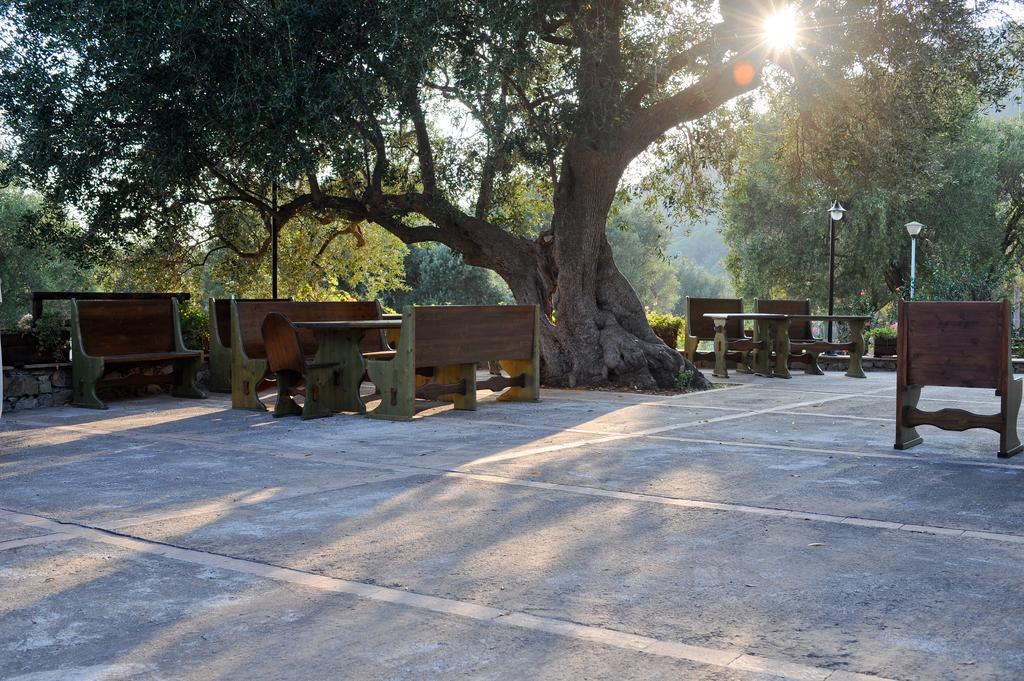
[
  {"x": 295, "y": 375},
  {"x": 699, "y": 328},
  {"x": 958, "y": 345},
  {"x": 249, "y": 369},
  {"x": 220, "y": 340},
  {"x": 446, "y": 343},
  {"x": 804, "y": 347},
  {"x": 125, "y": 334}
]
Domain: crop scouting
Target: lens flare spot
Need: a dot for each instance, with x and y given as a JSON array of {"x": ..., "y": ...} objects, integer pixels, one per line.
[{"x": 743, "y": 72}]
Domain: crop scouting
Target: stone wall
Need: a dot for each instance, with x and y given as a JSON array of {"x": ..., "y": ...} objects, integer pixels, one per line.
[
  {"x": 37, "y": 385},
  {"x": 49, "y": 385}
]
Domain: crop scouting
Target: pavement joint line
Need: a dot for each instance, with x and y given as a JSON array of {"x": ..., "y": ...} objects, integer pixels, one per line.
[
  {"x": 819, "y": 414},
  {"x": 730, "y": 659},
  {"x": 998, "y": 465}
]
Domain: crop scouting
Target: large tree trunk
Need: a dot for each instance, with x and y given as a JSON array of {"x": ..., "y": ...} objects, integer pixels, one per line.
[{"x": 596, "y": 330}]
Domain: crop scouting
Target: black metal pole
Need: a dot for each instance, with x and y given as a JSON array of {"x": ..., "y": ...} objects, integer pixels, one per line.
[
  {"x": 831, "y": 271},
  {"x": 273, "y": 240}
]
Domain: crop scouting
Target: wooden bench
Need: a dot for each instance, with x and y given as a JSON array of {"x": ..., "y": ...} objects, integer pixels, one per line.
[
  {"x": 804, "y": 347},
  {"x": 447, "y": 343},
  {"x": 220, "y": 340},
  {"x": 956, "y": 345},
  {"x": 124, "y": 334},
  {"x": 248, "y": 353},
  {"x": 699, "y": 328},
  {"x": 39, "y": 297}
]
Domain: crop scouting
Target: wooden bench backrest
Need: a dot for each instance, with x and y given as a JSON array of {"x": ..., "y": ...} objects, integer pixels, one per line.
[
  {"x": 703, "y": 328},
  {"x": 954, "y": 344},
  {"x": 462, "y": 334},
  {"x": 284, "y": 350},
  {"x": 222, "y": 314},
  {"x": 126, "y": 327},
  {"x": 798, "y": 330},
  {"x": 252, "y": 314}
]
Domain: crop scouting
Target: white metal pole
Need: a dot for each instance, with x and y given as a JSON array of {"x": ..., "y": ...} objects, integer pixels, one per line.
[{"x": 913, "y": 265}]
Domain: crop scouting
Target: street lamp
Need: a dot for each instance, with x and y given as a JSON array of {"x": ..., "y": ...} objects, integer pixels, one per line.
[
  {"x": 835, "y": 214},
  {"x": 913, "y": 229}
]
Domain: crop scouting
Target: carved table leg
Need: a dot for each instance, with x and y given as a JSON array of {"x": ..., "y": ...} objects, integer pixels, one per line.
[
  {"x": 856, "y": 369},
  {"x": 721, "y": 346},
  {"x": 341, "y": 348},
  {"x": 782, "y": 349}
]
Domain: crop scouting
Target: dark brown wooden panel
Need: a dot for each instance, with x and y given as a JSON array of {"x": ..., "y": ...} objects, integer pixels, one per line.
[
  {"x": 222, "y": 312},
  {"x": 955, "y": 344},
  {"x": 703, "y": 328},
  {"x": 461, "y": 334},
  {"x": 798, "y": 330},
  {"x": 39, "y": 296},
  {"x": 126, "y": 327},
  {"x": 251, "y": 315}
]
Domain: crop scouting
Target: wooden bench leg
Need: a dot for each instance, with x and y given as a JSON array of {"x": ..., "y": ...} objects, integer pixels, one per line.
[
  {"x": 530, "y": 371},
  {"x": 286, "y": 404},
  {"x": 453, "y": 373},
  {"x": 812, "y": 364},
  {"x": 907, "y": 437},
  {"x": 396, "y": 382},
  {"x": 321, "y": 392},
  {"x": 245, "y": 380},
  {"x": 85, "y": 372},
  {"x": 1009, "y": 441},
  {"x": 186, "y": 383},
  {"x": 856, "y": 369}
]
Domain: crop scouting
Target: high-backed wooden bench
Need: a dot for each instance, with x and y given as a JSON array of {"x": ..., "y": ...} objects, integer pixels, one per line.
[
  {"x": 124, "y": 334},
  {"x": 220, "y": 340},
  {"x": 248, "y": 353},
  {"x": 957, "y": 345},
  {"x": 452, "y": 340},
  {"x": 295, "y": 373},
  {"x": 700, "y": 328},
  {"x": 39, "y": 297}
]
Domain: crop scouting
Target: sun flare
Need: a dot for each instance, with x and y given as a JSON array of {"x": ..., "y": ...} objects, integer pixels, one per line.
[{"x": 782, "y": 29}]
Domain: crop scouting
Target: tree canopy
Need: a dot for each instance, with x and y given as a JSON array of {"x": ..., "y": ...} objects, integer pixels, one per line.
[{"x": 499, "y": 128}]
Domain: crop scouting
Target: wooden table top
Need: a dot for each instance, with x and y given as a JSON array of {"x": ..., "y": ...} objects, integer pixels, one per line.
[
  {"x": 746, "y": 315},
  {"x": 832, "y": 317},
  {"x": 351, "y": 325}
]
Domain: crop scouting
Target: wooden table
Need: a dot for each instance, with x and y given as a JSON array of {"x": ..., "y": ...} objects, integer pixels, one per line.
[
  {"x": 774, "y": 328},
  {"x": 339, "y": 343},
  {"x": 855, "y": 347},
  {"x": 766, "y": 327}
]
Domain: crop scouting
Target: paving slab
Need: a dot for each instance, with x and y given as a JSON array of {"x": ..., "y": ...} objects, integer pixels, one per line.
[
  {"x": 778, "y": 587},
  {"x": 165, "y": 619}
]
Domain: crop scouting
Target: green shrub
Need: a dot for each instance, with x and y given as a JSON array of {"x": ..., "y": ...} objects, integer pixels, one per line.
[
  {"x": 881, "y": 333},
  {"x": 195, "y": 326},
  {"x": 667, "y": 327}
]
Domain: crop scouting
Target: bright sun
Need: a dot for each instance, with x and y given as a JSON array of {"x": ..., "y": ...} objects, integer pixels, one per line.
[{"x": 781, "y": 30}]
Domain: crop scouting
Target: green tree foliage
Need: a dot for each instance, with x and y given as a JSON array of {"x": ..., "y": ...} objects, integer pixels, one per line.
[
  {"x": 971, "y": 205},
  {"x": 436, "y": 275},
  {"x": 27, "y": 264},
  {"x": 639, "y": 239}
]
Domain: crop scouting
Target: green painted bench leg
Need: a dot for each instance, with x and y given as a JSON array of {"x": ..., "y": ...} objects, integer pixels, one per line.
[
  {"x": 321, "y": 385},
  {"x": 721, "y": 347},
  {"x": 340, "y": 391},
  {"x": 453, "y": 373},
  {"x": 907, "y": 437},
  {"x": 245, "y": 378},
  {"x": 85, "y": 372},
  {"x": 286, "y": 404},
  {"x": 856, "y": 369},
  {"x": 1009, "y": 440},
  {"x": 186, "y": 384},
  {"x": 396, "y": 381}
]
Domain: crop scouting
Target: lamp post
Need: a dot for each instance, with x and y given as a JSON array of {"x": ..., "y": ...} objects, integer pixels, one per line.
[
  {"x": 273, "y": 240},
  {"x": 835, "y": 214},
  {"x": 913, "y": 229}
]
